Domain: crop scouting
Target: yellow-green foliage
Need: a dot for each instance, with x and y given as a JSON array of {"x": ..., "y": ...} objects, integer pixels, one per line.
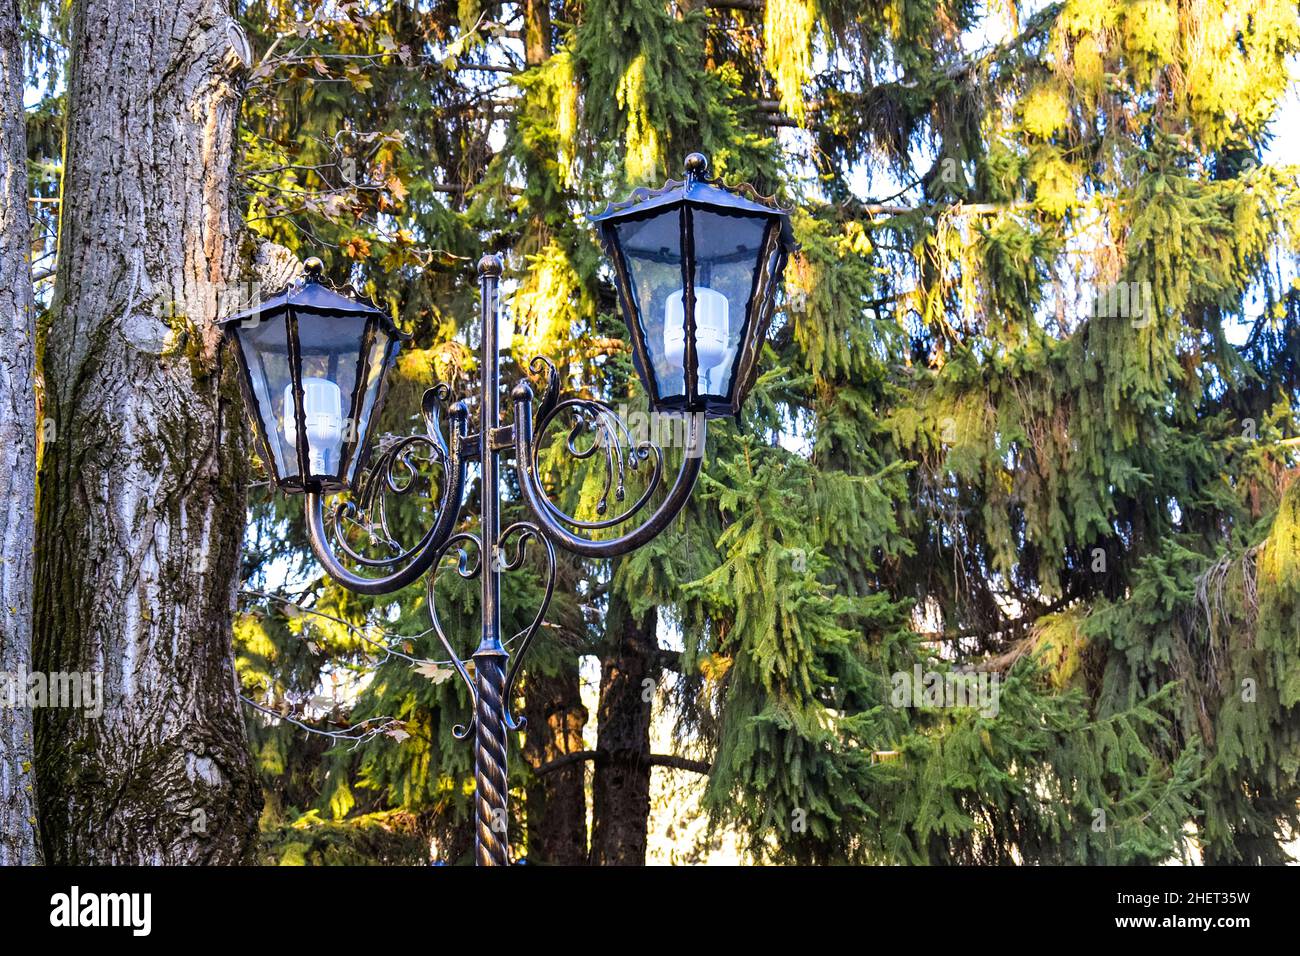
[
  {"x": 643, "y": 157},
  {"x": 468, "y": 12},
  {"x": 1150, "y": 33},
  {"x": 1059, "y": 645},
  {"x": 1088, "y": 16},
  {"x": 1055, "y": 182},
  {"x": 788, "y": 27},
  {"x": 548, "y": 128},
  {"x": 1088, "y": 67},
  {"x": 826, "y": 285},
  {"x": 384, "y": 838},
  {"x": 566, "y": 113},
  {"x": 1279, "y": 595},
  {"x": 1045, "y": 111},
  {"x": 254, "y": 648},
  {"x": 550, "y": 305},
  {"x": 1279, "y": 563},
  {"x": 1224, "y": 64}
]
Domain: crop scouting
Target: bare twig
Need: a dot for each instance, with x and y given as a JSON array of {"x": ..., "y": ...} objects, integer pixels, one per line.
[
  {"x": 599, "y": 757},
  {"x": 358, "y": 733}
]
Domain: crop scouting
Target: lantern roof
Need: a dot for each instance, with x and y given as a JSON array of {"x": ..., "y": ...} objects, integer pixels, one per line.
[
  {"x": 310, "y": 296},
  {"x": 697, "y": 190}
]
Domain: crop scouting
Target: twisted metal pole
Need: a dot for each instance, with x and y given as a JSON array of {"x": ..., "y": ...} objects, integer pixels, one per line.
[
  {"x": 490, "y": 829},
  {"x": 490, "y": 781}
]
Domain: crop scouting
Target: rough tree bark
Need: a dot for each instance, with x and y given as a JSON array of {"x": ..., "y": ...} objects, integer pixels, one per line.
[
  {"x": 142, "y": 493},
  {"x": 556, "y": 803},
  {"x": 18, "y": 844},
  {"x": 620, "y": 796}
]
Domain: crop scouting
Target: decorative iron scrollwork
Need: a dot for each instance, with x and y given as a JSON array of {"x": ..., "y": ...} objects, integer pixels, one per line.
[
  {"x": 613, "y": 439},
  {"x": 609, "y": 435},
  {"x": 526, "y": 531},
  {"x": 469, "y": 567},
  {"x": 394, "y": 472},
  {"x": 468, "y": 570},
  {"x": 399, "y": 469}
]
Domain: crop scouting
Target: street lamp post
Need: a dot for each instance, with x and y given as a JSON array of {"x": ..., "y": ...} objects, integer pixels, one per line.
[{"x": 697, "y": 266}]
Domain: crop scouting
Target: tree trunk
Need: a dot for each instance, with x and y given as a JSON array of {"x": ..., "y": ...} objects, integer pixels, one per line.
[
  {"x": 556, "y": 802},
  {"x": 537, "y": 32},
  {"x": 142, "y": 491},
  {"x": 451, "y": 840},
  {"x": 621, "y": 792},
  {"x": 18, "y": 844}
]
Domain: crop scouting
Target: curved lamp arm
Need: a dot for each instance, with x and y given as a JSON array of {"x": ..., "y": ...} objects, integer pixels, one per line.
[
  {"x": 548, "y": 516},
  {"x": 423, "y": 555}
]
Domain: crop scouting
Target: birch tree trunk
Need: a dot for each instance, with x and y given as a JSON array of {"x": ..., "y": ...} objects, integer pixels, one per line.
[
  {"x": 18, "y": 843},
  {"x": 142, "y": 490}
]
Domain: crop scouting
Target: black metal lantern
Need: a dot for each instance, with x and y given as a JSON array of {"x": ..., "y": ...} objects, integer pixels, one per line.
[
  {"x": 313, "y": 364},
  {"x": 697, "y": 267}
]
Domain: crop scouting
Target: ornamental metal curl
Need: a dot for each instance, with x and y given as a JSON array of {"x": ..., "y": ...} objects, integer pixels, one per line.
[
  {"x": 394, "y": 472},
  {"x": 468, "y": 571},
  {"x": 611, "y": 435},
  {"x": 612, "y": 438},
  {"x": 526, "y": 530}
]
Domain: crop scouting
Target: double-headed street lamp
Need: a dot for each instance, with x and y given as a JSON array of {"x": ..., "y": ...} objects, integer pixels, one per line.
[{"x": 697, "y": 266}]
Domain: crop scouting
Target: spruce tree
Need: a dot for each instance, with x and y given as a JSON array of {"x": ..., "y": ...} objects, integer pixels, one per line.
[{"x": 1027, "y": 411}]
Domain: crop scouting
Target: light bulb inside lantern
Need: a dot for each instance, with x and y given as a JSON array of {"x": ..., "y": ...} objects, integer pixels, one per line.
[
  {"x": 322, "y": 418},
  {"x": 710, "y": 329}
]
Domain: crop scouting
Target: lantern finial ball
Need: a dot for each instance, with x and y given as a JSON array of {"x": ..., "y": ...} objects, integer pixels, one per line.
[
  {"x": 522, "y": 392},
  {"x": 697, "y": 164},
  {"x": 314, "y": 268},
  {"x": 490, "y": 265}
]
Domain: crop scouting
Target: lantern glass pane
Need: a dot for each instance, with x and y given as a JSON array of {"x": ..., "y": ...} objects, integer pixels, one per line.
[
  {"x": 329, "y": 347},
  {"x": 265, "y": 349},
  {"x": 376, "y": 363},
  {"x": 728, "y": 251},
  {"x": 652, "y": 250}
]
